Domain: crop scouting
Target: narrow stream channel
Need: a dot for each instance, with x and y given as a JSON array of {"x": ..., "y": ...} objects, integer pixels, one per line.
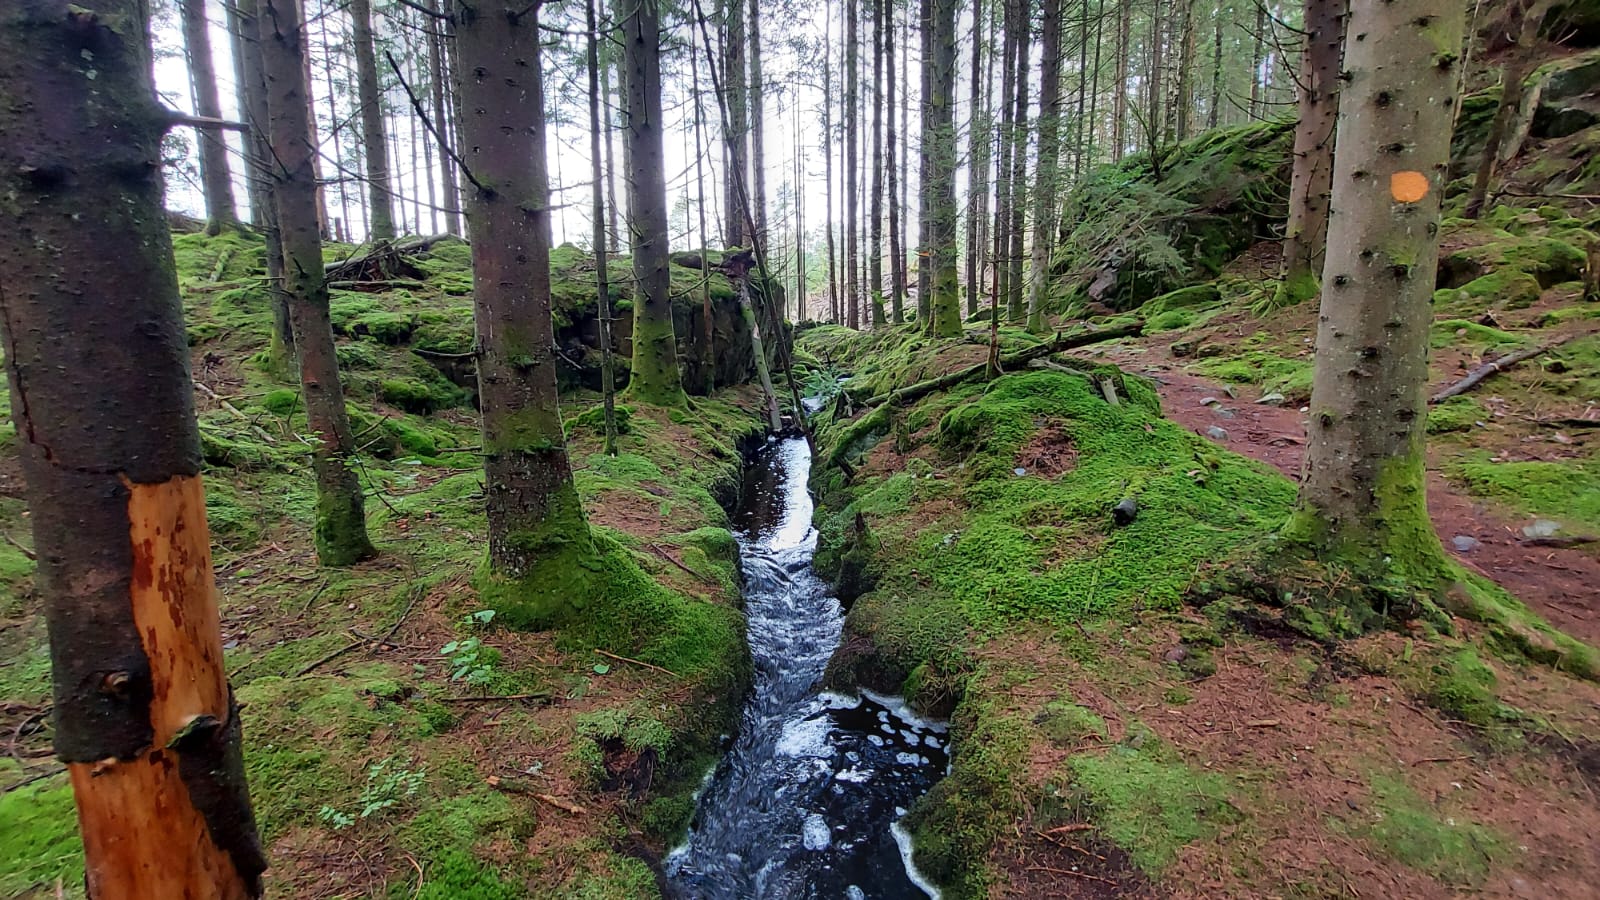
[{"x": 805, "y": 804}]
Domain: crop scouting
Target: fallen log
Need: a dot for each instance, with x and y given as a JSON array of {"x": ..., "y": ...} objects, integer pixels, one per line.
[
  {"x": 1497, "y": 366},
  {"x": 384, "y": 260},
  {"x": 1062, "y": 342}
]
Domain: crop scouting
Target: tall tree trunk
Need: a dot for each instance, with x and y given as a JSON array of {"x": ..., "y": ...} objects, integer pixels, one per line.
[
  {"x": 1016, "y": 304},
  {"x": 1257, "y": 57},
  {"x": 655, "y": 376},
  {"x": 537, "y": 530},
  {"x": 905, "y": 152},
  {"x": 827, "y": 161},
  {"x": 941, "y": 188},
  {"x": 1185, "y": 98},
  {"x": 1214, "y": 107},
  {"x": 341, "y": 527},
  {"x": 216, "y": 181},
  {"x": 1519, "y": 64},
  {"x": 1045, "y": 187},
  {"x": 103, "y": 404},
  {"x": 375, "y": 149},
  {"x": 1155, "y": 81},
  {"x": 438, "y": 78},
  {"x": 253, "y": 106},
  {"x": 1362, "y": 499},
  {"x": 978, "y": 136},
  {"x": 1081, "y": 123},
  {"x": 852, "y": 286},
  {"x": 1007, "y": 139},
  {"x": 602, "y": 289},
  {"x": 1088, "y": 151},
  {"x": 758, "y": 150},
  {"x": 880, "y": 19},
  {"x": 607, "y": 62},
  {"x": 897, "y": 253},
  {"x": 924, "y": 173},
  {"x": 737, "y": 133},
  {"x": 1119, "y": 100},
  {"x": 801, "y": 314},
  {"x": 242, "y": 37},
  {"x": 1307, "y": 233},
  {"x": 331, "y": 88}
]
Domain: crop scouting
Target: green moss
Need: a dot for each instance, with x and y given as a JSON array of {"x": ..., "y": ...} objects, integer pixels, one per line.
[
  {"x": 1456, "y": 414},
  {"x": 282, "y": 402},
  {"x": 1464, "y": 688},
  {"x": 1567, "y": 490},
  {"x": 1261, "y": 367},
  {"x": 456, "y": 875},
  {"x": 39, "y": 843},
  {"x": 1148, "y": 802},
  {"x": 412, "y": 396},
  {"x": 1067, "y": 724},
  {"x": 1450, "y": 848},
  {"x": 1459, "y": 332}
]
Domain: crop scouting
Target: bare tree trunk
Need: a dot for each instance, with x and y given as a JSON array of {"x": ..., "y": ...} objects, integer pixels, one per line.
[
  {"x": 880, "y": 16},
  {"x": 106, "y": 436},
  {"x": 941, "y": 187},
  {"x": 801, "y": 313},
  {"x": 924, "y": 173},
  {"x": 655, "y": 376},
  {"x": 1156, "y": 83},
  {"x": 1257, "y": 88},
  {"x": 1007, "y": 138},
  {"x": 607, "y": 62},
  {"x": 827, "y": 163},
  {"x": 1016, "y": 305},
  {"x": 852, "y": 285},
  {"x": 1307, "y": 233},
  {"x": 380, "y": 225},
  {"x": 1082, "y": 123},
  {"x": 737, "y": 134},
  {"x": 1214, "y": 108},
  {"x": 758, "y": 150},
  {"x": 1044, "y": 195},
  {"x": 897, "y": 252},
  {"x": 216, "y": 181},
  {"x": 1519, "y": 64},
  {"x": 1087, "y": 152},
  {"x": 437, "y": 79},
  {"x": 341, "y": 528},
  {"x": 905, "y": 152},
  {"x": 1119, "y": 100},
  {"x": 602, "y": 289},
  {"x": 1185, "y": 99},
  {"x": 1362, "y": 499},
  {"x": 328, "y": 64},
  {"x": 242, "y": 37},
  {"x": 978, "y": 136},
  {"x": 258, "y": 155}
]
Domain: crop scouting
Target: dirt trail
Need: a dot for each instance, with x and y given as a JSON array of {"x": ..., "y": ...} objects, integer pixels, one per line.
[{"x": 1562, "y": 584}]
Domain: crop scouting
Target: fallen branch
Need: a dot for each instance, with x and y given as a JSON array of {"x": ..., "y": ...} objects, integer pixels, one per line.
[
  {"x": 1562, "y": 541},
  {"x": 637, "y": 662},
  {"x": 494, "y": 698},
  {"x": 23, "y": 550},
  {"x": 378, "y": 285},
  {"x": 1497, "y": 366},
  {"x": 668, "y": 557},
  {"x": 383, "y": 261},
  {"x": 52, "y": 770},
  {"x": 1067, "y": 829},
  {"x": 235, "y": 411},
  {"x": 1062, "y": 342},
  {"x": 561, "y": 804},
  {"x": 311, "y": 667}
]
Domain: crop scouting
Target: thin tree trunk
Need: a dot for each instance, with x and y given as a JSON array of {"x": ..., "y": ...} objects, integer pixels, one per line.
[
  {"x": 941, "y": 188},
  {"x": 758, "y": 150},
  {"x": 106, "y": 436},
  {"x": 1362, "y": 501},
  {"x": 253, "y": 103},
  {"x": 242, "y": 36},
  {"x": 852, "y": 286},
  {"x": 1016, "y": 304},
  {"x": 1214, "y": 108},
  {"x": 897, "y": 254},
  {"x": 978, "y": 167},
  {"x": 536, "y": 526},
  {"x": 1119, "y": 100},
  {"x": 1307, "y": 233},
  {"x": 341, "y": 528},
  {"x": 1257, "y": 56},
  {"x": 216, "y": 181},
  {"x": 880, "y": 16},
  {"x": 924, "y": 162},
  {"x": 708, "y": 350},
  {"x": 1185, "y": 99},
  {"x": 737, "y": 134},
  {"x": 655, "y": 376},
  {"x": 333, "y": 111},
  {"x": 1082, "y": 124},
  {"x": 1007, "y": 139},
  {"x": 380, "y": 227},
  {"x": 1156, "y": 81},
  {"x": 827, "y": 162},
  {"x": 1514, "y": 74},
  {"x": 438, "y": 78},
  {"x": 1094, "y": 92},
  {"x": 1044, "y": 194},
  {"x": 608, "y": 60},
  {"x": 602, "y": 289},
  {"x": 905, "y": 154},
  {"x": 801, "y": 314}
]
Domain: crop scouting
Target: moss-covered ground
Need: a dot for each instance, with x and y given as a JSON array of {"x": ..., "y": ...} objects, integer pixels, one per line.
[
  {"x": 1123, "y": 712},
  {"x": 381, "y": 766}
]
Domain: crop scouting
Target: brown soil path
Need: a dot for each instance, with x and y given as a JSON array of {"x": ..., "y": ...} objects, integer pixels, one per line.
[{"x": 1562, "y": 584}]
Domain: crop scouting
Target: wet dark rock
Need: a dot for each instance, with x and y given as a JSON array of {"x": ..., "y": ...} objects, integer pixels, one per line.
[{"x": 1125, "y": 511}]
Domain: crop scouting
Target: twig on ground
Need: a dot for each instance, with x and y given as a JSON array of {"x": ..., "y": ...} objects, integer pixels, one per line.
[
  {"x": 637, "y": 662},
  {"x": 494, "y": 698},
  {"x": 48, "y": 772},
  {"x": 13, "y": 542},
  {"x": 561, "y": 804},
  {"x": 668, "y": 557}
]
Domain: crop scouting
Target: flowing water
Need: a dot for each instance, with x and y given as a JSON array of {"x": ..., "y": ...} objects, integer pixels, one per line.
[{"x": 806, "y": 801}]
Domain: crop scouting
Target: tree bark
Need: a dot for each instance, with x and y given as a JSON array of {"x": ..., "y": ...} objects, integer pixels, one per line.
[
  {"x": 1016, "y": 304},
  {"x": 941, "y": 102},
  {"x": 536, "y": 522},
  {"x": 735, "y": 101},
  {"x": 341, "y": 529},
  {"x": 1185, "y": 99},
  {"x": 1306, "y": 236},
  {"x": 1214, "y": 108},
  {"x": 852, "y": 286},
  {"x": 437, "y": 79},
  {"x": 978, "y": 137},
  {"x": 374, "y": 143},
  {"x": 1119, "y": 99},
  {"x": 1520, "y": 62},
  {"x": 1362, "y": 499},
  {"x": 655, "y": 377},
  {"x": 602, "y": 289},
  {"x": 1044, "y": 195},
  {"x": 1007, "y": 139},
  {"x": 253, "y": 103},
  {"x": 875, "y": 212},
  {"x": 216, "y": 181},
  {"x": 98, "y": 369},
  {"x": 758, "y": 141},
  {"x": 1258, "y": 55},
  {"x": 897, "y": 252}
]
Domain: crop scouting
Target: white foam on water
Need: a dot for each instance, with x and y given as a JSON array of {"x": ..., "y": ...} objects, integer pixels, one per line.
[
  {"x": 815, "y": 833},
  {"x": 906, "y": 759},
  {"x": 831, "y": 700},
  {"x": 902, "y": 711},
  {"x": 902, "y": 839},
  {"x": 854, "y": 893},
  {"x": 876, "y": 741},
  {"x": 855, "y": 776},
  {"x": 804, "y": 738}
]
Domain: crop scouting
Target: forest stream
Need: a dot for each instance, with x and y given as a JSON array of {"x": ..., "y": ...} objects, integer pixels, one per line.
[{"x": 807, "y": 800}]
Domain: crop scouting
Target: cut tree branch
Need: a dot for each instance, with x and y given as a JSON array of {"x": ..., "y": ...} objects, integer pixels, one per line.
[{"x": 1494, "y": 367}]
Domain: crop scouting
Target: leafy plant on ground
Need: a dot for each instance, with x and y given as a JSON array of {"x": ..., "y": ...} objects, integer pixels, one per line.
[{"x": 387, "y": 785}]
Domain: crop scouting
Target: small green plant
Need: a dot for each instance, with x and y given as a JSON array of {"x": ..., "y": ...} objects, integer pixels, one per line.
[
  {"x": 822, "y": 384},
  {"x": 469, "y": 660},
  {"x": 386, "y": 786}
]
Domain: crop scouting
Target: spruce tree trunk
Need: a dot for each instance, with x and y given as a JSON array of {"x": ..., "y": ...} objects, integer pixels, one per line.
[
  {"x": 1007, "y": 139},
  {"x": 216, "y": 181},
  {"x": 827, "y": 162},
  {"x": 602, "y": 289},
  {"x": 341, "y": 527},
  {"x": 1307, "y": 233},
  {"x": 655, "y": 376},
  {"x": 374, "y": 143},
  {"x": 1214, "y": 108},
  {"x": 852, "y": 287},
  {"x": 875, "y": 212},
  {"x": 1044, "y": 195},
  {"x": 897, "y": 252},
  {"x": 438, "y": 77},
  {"x": 1520, "y": 62},
  {"x": 942, "y": 170},
  {"x": 905, "y": 152},
  {"x": 1258, "y": 55},
  {"x": 1016, "y": 304},
  {"x": 536, "y": 522},
  {"x": 253, "y": 103},
  {"x": 1185, "y": 98},
  {"x": 978, "y": 137},
  {"x": 242, "y": 38},
  {"x": 1119, "y": 99},
  {"x": 98, "y": 368},
  {"x": 924, "y": 172},
  {"x": 1362, "y": 498},
  {"x": 735, "y": 102},
  {"x": 758, "y": 141}
]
